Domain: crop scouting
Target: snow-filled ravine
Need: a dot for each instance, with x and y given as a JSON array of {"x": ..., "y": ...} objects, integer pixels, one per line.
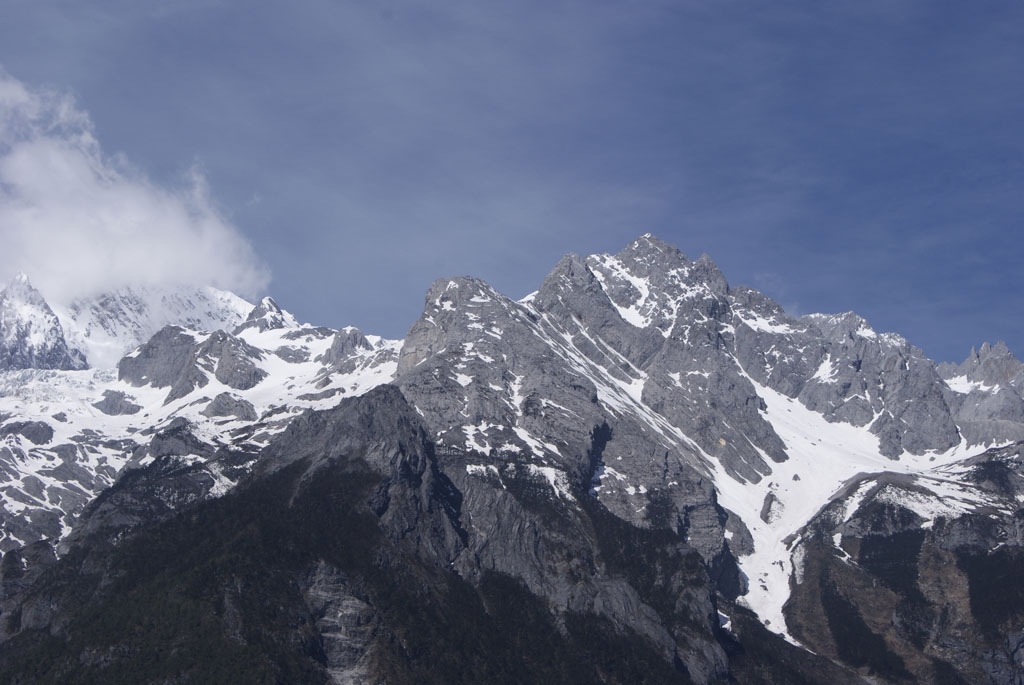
[{"x": 823, "y": 458}]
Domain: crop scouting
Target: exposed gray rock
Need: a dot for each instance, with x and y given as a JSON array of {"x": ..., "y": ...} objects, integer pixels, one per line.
[
  {"x": 47, "y": 503},
  {"x": 234, "y": 361},
  {"x": 266, "y": 316},
  {"x": 383, "y": 431},
  {"x": 20, "y": 567},
  {"x": 292, "y": 355},
  {"x": 770, "y": 507},
  {"x": 992, "y": 365},
  {"x": 347, "y": 342},
  {"x": 166, "y": 360},
  {"x": 879, "y": 379},
  {"x": 183, "y": 472},
  {"x": 225, "y": 404},
  {"x": 36, "y": 432},
  {"x": 548, "y": 439},
  {"x": 990, "y": 416},
  {"x": 116, "y": 403},
  {"x": 177, "y": 439},
  {"x": 901, "y": 581},
  {"x": 309, "y": 333},
  {"x": 514, "y": 523},
  {"x": 654, "y": 347},
  {"x": 110, "y": 324},
  {"x": 182, "y": 360},
  {"x": 347, "y": 625},
  {"x": 774, "y": 348},
  {"x": 986, "y": 393},
  {"x": 369, "y": 463},
  {"x": 531, "y": 382}
]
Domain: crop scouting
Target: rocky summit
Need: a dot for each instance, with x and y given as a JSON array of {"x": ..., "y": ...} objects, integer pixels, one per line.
[{"x": 636, "y": 473}]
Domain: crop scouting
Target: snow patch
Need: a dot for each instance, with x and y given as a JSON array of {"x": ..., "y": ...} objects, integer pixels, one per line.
[{"x": 964, "y": 385}]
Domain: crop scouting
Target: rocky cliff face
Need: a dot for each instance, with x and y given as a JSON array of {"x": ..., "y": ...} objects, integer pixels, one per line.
[
  {"x": 351, "y": 531},
  {"x": 909, "y": 578},
  {"x": 989, "y": 394},
  {"x": 663, "y": 476}
]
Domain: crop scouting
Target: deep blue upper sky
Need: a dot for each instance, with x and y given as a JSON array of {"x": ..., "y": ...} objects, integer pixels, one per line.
[{"x": 855, "y": 155}]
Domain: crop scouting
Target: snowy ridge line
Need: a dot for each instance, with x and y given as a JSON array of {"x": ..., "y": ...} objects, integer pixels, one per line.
[
  {"x": 823, "y": 456},
  {"x": 107, "y": 326},
  {"x": 679, "y": 415},
  {"x": 87, "y": 448}
]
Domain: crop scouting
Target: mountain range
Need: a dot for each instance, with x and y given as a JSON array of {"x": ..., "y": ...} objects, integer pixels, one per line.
[{"x": 636, "y": 473}]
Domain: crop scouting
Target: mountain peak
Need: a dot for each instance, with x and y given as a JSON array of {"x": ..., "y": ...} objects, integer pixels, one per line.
[
  {"x": 848, "y": 326},
  {"x": 267, "y": 315},
  {"x": 990, "y": 365},
  {"x": 706, "y": 271},
  {"x": 998, "y": 350},
  {"x": 31, "y": 336},
  {"x": 20, "y": 289},
  {"x": 649, "y": 252},
  {"x": 109, "y": 325},
  {"x": 635, "y": 407},
  {"x": 989, "y": 353},
  {"x": 268, "y": 304}
]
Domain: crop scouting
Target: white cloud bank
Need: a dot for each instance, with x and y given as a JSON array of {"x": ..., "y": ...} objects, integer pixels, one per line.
[{"x": 79, "y": 222}]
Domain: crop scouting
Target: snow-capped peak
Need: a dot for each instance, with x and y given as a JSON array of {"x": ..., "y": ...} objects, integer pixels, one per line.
[
  {"x": 20, "y": 289},
  {"x": 267, "y": 315},
  {"x": 651, "y": 282},
  {"x": 31, "y": 335},
  {"x": 20, "y": 279},
  {"x": 109, "y": 325}
]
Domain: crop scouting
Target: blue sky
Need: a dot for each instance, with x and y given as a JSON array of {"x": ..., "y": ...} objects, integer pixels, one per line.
[{"x": 848, "y": 155}]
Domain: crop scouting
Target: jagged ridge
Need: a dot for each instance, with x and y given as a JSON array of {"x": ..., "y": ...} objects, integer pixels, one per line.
[{"x": 639, "y": 383}]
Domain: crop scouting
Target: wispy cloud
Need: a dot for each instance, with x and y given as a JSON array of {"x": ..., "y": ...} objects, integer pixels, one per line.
[{"x": 80, "y": 221}]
